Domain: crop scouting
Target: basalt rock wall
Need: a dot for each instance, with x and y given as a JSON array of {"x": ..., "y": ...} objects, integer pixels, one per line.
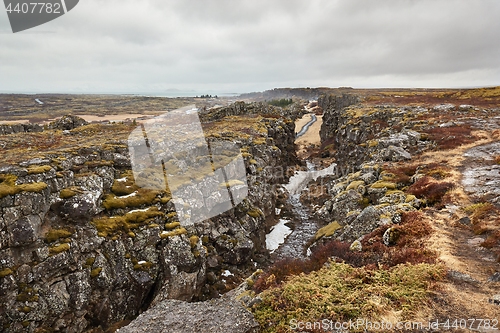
[{"x": 76, "y": 254}]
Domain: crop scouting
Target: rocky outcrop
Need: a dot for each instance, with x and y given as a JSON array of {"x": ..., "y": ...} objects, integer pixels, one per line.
[
  {"x": 19, "y": 128},
  {"x": 223, "y": 315},
  {"x": 68, "y": 122},
  {"x": 362, "y": 201},
  {"x": 242, "y": 108},
  {"x": 81, "y": 247},
  {"x": 360, "y": 133}
]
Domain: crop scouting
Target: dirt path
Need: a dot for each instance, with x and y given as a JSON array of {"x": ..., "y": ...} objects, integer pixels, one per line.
[{"x": 466, "y": 295}]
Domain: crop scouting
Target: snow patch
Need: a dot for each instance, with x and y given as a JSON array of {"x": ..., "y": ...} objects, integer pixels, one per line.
[
  {"x": 277, "y": 236},
  {"x": 138, "y": 210},
  {"x": 130, "y": 195},
  {"x": 227, "y": 273}
]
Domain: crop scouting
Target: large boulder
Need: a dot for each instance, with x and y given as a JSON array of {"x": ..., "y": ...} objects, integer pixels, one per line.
[{"x": 172, "y": 316}]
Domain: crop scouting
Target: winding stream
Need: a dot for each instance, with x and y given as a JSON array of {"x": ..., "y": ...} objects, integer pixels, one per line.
[
  {"x": 305, "y": 128},
  {"x": 282, "y": 241}
]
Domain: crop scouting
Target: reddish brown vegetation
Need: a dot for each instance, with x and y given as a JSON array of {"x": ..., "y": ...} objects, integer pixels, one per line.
[
  {"x": 409, "y": 248},
  {"x": 402, "y": 173},
  {"x": 450, "y": 137},
  {"x": 431, "y": 190}
]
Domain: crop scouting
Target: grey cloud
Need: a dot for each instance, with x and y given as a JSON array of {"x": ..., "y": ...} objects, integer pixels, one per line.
[{"x": 129, "y": 45}]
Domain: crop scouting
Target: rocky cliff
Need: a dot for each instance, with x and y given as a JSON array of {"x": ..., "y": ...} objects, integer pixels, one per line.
[
  {"x": 83, "y": 247},
  {"x": 358, "y": 133}
]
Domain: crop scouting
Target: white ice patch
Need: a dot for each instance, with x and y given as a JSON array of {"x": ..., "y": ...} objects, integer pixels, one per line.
[
  {"x": 138, "y": 210},
  {"x": 130, "y": 195},
  {"x": 278, "y": 211},
  {"x": 142, "y": 262},
  {"x": 227, "y": 273},
  {"x": 300, "y": 179},
  {"x": 277, "y": 236},
  {"x": 124, "y": 179}
]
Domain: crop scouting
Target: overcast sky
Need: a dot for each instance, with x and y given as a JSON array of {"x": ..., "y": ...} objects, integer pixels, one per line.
[{"x": 149, "y": 46}]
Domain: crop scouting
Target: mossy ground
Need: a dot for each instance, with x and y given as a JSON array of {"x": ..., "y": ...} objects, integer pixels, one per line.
[{"x": 340, "y": 292}]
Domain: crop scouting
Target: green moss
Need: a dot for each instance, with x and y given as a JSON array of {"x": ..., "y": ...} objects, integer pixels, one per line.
[
  {"x": 27, "y": 295},
  {"x": 95, "y": 272},
  {"x": 364, "y": 202},
  {"x": 382, "y": 184},
  {"x": 172, "y": 225},
  {"x": 25, "y": 309},
  {"x": 165, "y": 200},
  {"x": 89, "y": 262},
  {"x": 110, "y": 225},
  {"x": 125, "y": 187},
  {"x": 67, "y": 193},
  {"x": 53, "y": 250},
  {"x": 246, "y": 155},
  {"x": 8, "y": 186},
  {"x": 393, "y": 192},
  {"x": 410, "y": 198},
  {"x": 176, "y": 232},
  {"x": 6, "y": 271},
  {"x": 143, "y": 267},
  {"x": 55, "y": 234},
  {"x": 34, "y": 170},
  {"x": 255, "y": 213},
  {"x": 475, "y": 207},
  {"x": 193, "y": 241},
  {"x": 171, "y": 215},
  {"x": 354, "y": 185},
  {"x": 143, "y": 197},
  {"x": 259, "y": 141},
  {"x": 327, "y": 230}
]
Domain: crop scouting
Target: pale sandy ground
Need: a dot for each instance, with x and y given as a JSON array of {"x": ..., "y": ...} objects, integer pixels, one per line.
[
  {"x": 113, "y": 117},
  {"x": 3, "y": 122},
  {"x": 310, "y": 137}
]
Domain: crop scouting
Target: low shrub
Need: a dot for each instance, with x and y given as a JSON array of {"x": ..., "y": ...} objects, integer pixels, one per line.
[
  {"x": 429, "y": 189},
  {"x": 450, "y": 137},
  {"x": 402, "y": 173}
]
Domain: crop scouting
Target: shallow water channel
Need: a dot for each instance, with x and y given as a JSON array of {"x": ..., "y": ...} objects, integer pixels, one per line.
[{"x": 289, "y": 237}]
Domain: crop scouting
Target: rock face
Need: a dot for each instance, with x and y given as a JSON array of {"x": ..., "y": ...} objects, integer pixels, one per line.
[
  {"x": 81, "y": 247},
  {"x": 172, "y": 316},
  {"x": 19, "y": 128}
]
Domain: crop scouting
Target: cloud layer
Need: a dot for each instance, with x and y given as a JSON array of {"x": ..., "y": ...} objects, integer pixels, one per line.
[{"x": 150, "y": 46}]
